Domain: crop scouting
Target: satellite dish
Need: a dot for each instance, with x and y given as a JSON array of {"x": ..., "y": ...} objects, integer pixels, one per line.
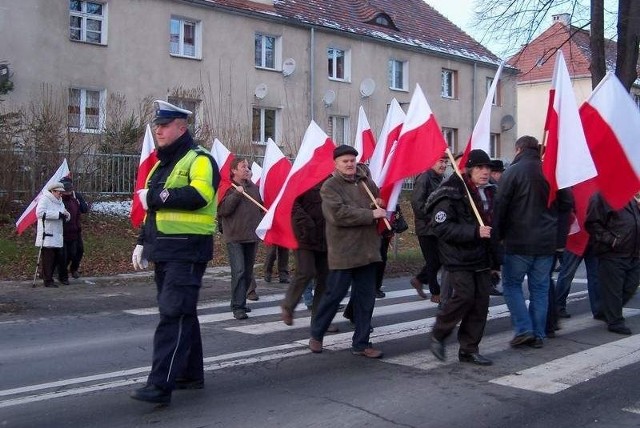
[
  {"x": 329, "y": 97},
  {"x": 507, "y": 122},
  {"x": 288, "y": 67},
  {"x": 261, "y": 91},
  {"x": 367, "y": 86}
]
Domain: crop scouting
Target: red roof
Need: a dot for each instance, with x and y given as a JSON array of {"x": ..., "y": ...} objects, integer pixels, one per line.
[
  {"x": 417, "y": 24},
  {"x": 536, "y": 60}
]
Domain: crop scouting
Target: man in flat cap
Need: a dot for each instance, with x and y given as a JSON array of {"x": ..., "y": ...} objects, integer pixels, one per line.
[
  {"x": 177, "y": 235},
  {"x": 353, "y": 246},
  {"x": 497, "y": 168}
]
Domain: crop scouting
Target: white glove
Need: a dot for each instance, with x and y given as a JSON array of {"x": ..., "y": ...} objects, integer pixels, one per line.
[
  {"x": 142, "y": 195},
  {"x": 138, "y": 262},
  {"x": 67, "y": 215}
]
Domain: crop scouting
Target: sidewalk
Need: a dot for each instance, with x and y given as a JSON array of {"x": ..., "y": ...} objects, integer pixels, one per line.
[{"x": 90, "y": 295}]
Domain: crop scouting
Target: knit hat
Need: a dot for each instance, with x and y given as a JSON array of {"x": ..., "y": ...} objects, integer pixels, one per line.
[
  {"x": 55, "y": 186},
  {"x": 344, "y": 150},
  {"x": 477, "y": 157}
]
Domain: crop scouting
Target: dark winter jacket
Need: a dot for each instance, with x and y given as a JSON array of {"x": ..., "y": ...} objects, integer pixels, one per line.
[
  {"x": 613, "y": 233},
  {"x": 423, "y": 186},
  {"x": 76, "y": 205},
  {"x": 308, "y": 222},
  {"x": 455, "y": 225},
  {"x": 523, "y": 220},
  {"x": 239, "y": 216}
]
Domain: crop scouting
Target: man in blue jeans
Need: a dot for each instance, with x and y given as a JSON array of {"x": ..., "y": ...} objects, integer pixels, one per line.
[
  {"x": 570, "y": 263},
  {"x": 527, "y": 225}
]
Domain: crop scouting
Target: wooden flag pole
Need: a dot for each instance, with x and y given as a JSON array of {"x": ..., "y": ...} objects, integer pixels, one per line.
[
  {"x": 473, "y": 204},
  {"x": 373, "y": 199},
  {"x": 250, "y": 198}
]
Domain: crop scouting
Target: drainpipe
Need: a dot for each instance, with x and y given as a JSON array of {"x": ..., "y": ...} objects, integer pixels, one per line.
[
  {"x": 312, "y": 53},
  {"x": 473, "y": 95}
]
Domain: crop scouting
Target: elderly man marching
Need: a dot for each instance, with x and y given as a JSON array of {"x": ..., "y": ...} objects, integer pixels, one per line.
[
  {"x": 467, "y": 256},
  {"x": 353, "y": 246},
  {"x": 177, "y": 235}
]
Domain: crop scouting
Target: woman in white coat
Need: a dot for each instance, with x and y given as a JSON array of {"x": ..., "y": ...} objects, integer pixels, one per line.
[{"x": 51, "y": 213}]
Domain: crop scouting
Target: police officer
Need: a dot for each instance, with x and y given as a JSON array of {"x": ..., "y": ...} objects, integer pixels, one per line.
[{"x": 177, "y": 235}]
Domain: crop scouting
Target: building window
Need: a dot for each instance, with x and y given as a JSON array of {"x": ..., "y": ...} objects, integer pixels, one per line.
[
  {"x": 339, "y": 64},
  {"x": 449, "y": 83},
  {"x": 494, "y": 145},
  {"x": 184, "y": 39},
  {"x": 263, "y": 125},
  {"x": 451, "y": 137},
  {"x": 268, "y": 51},
  {"x": 188, "y": 104},
  {"x": 87, "y": 22},
  {"x": 86, "y": 110},
  {"x": 496, "y": 101},
  {"x": 339, "y": 129},
  {"x": 398, "y": 76}
]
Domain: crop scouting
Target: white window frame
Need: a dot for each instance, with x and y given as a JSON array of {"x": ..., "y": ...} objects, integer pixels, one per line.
[
  {"x": 197, "y": 36},
  {"x": 496, "y": 101},
  {"x": 494, "y": 145},
  {"x": 84, "y": 17},
  {"x": 451, "y": 137},
  {"x": 394, "y": 65},
  {"x": 83, "y": 110},
  {"x": 277, "y": 51},
  {"x": 337, "y": 122},
  {"x": 262, "y": 140},
  {"x": 332, "y": 60},
  {"x": 449, "y": 82}
]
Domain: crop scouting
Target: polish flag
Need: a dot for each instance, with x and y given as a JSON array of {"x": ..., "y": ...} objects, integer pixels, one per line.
[
  {"x": 223, "y": 158},
  {"x": 256, "y": 173},
  {"x": 389, "y": 134},
  {"x": 567, "y": 160},
  {"x": 365, "y": 142},
  {"x": 275, "y": 169},
  {"x": 611, "y": 122},
  {"x": 313, "y": 164},
  {"x": 28, "y": 217},
  {"x": 481, "y": 135},
  {"x": 419, "y": 147},
  {"x": 148, "y": 158}
]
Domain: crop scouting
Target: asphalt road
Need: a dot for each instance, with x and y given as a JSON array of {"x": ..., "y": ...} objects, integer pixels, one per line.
[{"x": 70, "y": 357}]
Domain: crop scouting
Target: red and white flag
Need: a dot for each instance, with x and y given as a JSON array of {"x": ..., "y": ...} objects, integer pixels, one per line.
[
  {"x": 481, "y": 135},
  {"x": 419, "y": 146},
  {"x": 223, "y": 158},
  {"x": 567, "y": 160},
  {"x": 275, "y": 169},
  {"x": 611, "y": 122},
  {"x": 389, "y": 135},
  {"x": 365, "y": 142},
  {"x": 28, "y": 217},
  {"x": 256, "y": 173},
  {"x": 148, "y": 158},
  {"x": 313, "y": 164}
]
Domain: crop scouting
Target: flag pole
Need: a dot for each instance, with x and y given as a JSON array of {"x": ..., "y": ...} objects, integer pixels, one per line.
[
  {"x": 473, "y": 205},
  {"x": 250, "y": 198},
  {"x": 373, "y": 199}
]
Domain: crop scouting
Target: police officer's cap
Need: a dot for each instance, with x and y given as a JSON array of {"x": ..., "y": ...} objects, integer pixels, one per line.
[{"x": 166, "y": 112}]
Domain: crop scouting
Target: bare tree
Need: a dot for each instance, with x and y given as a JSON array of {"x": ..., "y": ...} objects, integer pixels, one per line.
[{"x": 516, "y": 22}]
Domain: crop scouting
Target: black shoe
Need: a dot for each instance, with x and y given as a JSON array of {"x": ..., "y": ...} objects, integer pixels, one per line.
[
  {"x": 240, "y": 315},
  {"x": 380, "y": 294},
  {"x": 536, "y": 343},
  {"x": 599, "y": 316},
  {"x": 551, "y": 334},
  {"x": 522, "y": 339},
  {"x": 51, "y": 284},
  {"x": 438, "y": 349},
  {"x": 152, "y": 394},
  {"x": 189, "y": 383},
  {"x": 247, "y": 309},
  {"x": 267, "y": 278},
  {"x": 495, "y": 292},
  {"x": 284, "y": 280},
  {"x": 64, "y": 281},
  {"x": 620, "y": 329},
  {"x": 562, "y": 313},
  {"x": 75, "y": 274},
  {"x": 474, "y": 358}
]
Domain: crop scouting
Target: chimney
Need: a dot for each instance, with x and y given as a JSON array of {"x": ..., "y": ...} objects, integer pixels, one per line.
[{"x": 563, "y": 18}]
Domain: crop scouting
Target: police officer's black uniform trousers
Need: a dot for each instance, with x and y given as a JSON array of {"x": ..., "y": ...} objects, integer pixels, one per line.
[{"x": 177, "y": 344}]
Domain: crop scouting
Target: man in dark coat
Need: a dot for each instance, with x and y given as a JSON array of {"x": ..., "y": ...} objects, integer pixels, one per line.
[{"x": 73, "y": 246}]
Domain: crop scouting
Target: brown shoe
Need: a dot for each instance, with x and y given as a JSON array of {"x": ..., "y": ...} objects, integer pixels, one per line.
[
  {"x": 315, "y": 345},
  {"x": 368, "y": 352},
  {"x": 435, "y": 298},
  {"x": 415, "y": 283},
  {"x": 286, "y": 315},
  {"x": 253, "y": 296}
]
